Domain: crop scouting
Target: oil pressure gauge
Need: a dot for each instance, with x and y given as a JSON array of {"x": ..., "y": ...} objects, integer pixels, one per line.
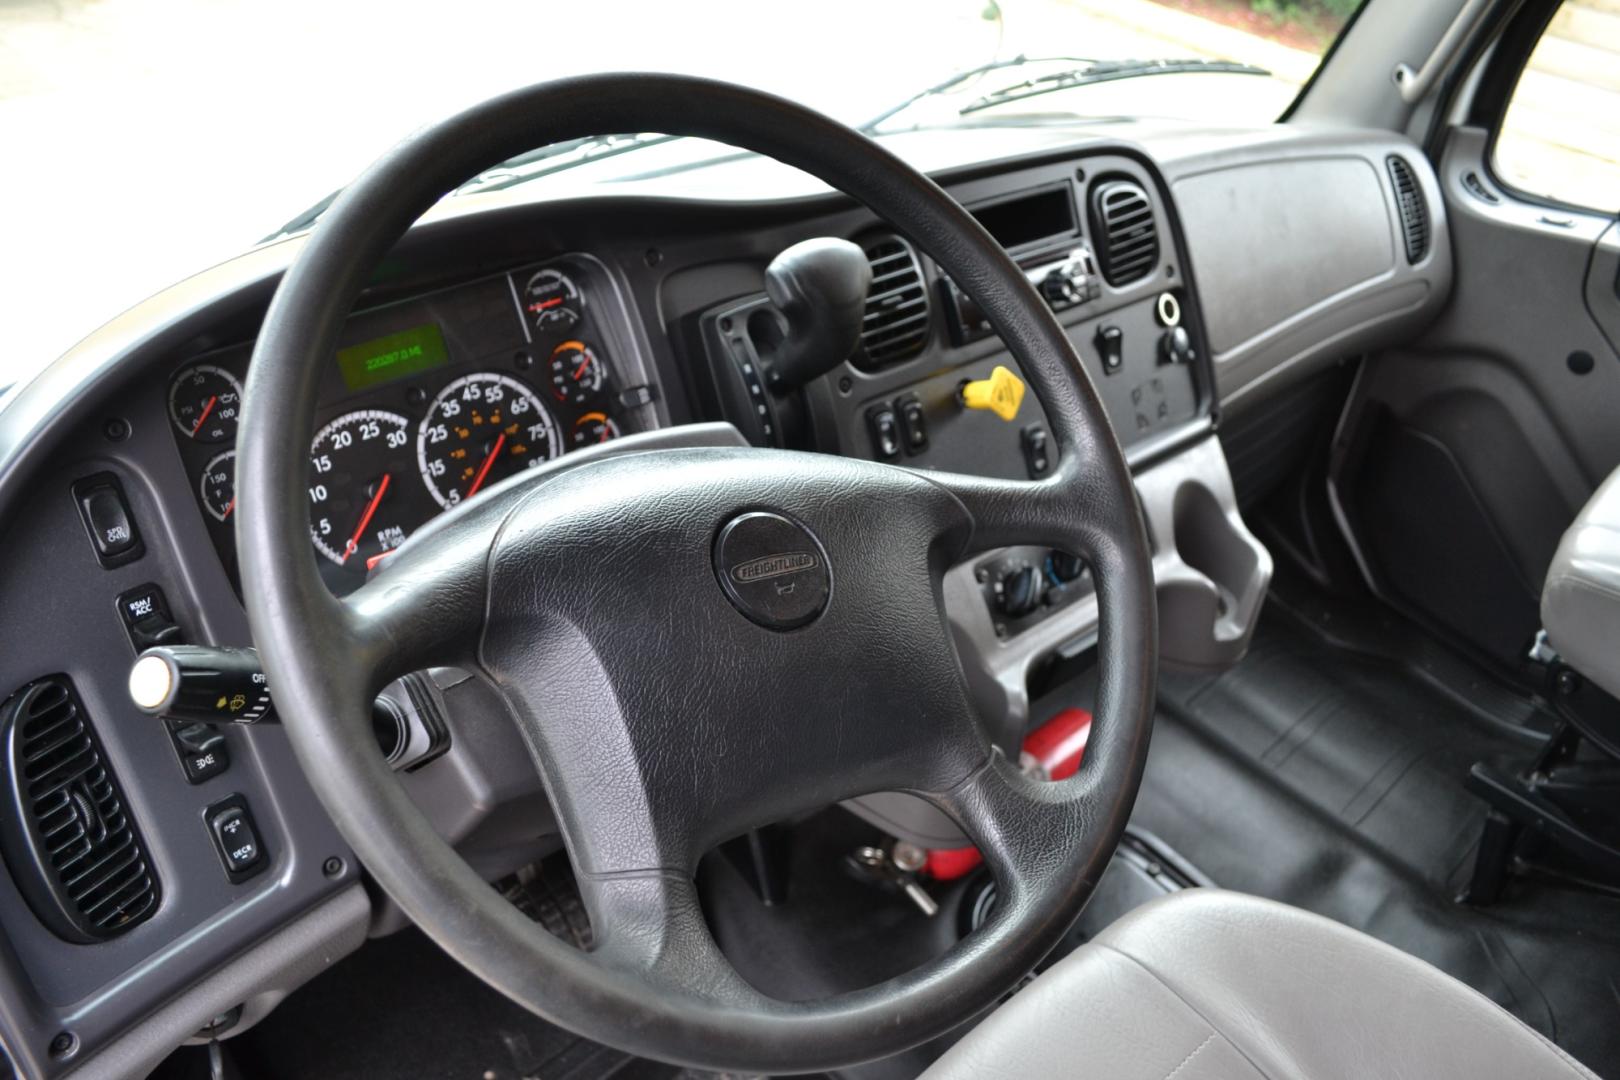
[{"x": 204, "y": 403}]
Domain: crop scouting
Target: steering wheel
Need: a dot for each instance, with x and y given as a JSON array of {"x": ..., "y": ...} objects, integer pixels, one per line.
[{"x": 696, "y": 641}]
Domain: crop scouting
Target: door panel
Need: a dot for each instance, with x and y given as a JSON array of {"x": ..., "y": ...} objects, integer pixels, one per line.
[
  {"x": 1603, "y": 285},
  {"x": 1465, "y": 454}
]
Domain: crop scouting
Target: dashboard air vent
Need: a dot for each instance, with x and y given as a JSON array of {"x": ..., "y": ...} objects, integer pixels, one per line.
[
  {"x": 1414, "y": 211},
  {"x": 69, "y": 841},
  {"x": 895, "y": 326},
  {"x": 1123, "y": 229}
]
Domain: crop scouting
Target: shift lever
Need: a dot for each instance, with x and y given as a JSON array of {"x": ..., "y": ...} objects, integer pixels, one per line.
[{"x": 820, "y": 286}]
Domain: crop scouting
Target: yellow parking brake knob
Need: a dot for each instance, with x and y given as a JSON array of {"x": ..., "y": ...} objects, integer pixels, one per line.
[{"x": 1001, "y": 393}]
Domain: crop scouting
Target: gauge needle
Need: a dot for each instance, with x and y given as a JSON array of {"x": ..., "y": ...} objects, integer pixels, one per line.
[
  {"x": 483, "y": 470},
  {"x": 544, "y": 304},
  {"x": 203, "y": 419},
  {"x": 365, "y": 519},
  {"x": 584, "y": 363},
  {"x": 228, "y": 508}
]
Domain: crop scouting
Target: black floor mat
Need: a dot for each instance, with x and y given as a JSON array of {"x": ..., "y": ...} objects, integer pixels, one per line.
[
  {"x": 400, "y": 1007},
  {"x": 1329, "y": 776}
]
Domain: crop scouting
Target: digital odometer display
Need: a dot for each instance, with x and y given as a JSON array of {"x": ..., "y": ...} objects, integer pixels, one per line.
[{"x": 383, "y": 359}]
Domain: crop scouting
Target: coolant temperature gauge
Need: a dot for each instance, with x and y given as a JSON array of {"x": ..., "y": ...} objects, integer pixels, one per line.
[{"x": 218, "y": 485}]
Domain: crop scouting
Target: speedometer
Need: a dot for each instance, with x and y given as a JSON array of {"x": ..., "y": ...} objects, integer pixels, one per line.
[
  {"x": 480, "y": 429},
  {"x": 362, "y": 502}
]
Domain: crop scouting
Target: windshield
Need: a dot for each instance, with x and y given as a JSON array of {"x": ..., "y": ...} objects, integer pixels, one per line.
[{"x": 148, "y": 139}]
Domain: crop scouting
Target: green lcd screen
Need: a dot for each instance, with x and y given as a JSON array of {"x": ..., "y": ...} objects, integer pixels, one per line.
[{"x": 392, "y": 357}]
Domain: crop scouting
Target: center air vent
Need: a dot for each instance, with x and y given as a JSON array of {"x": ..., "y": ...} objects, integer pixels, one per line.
[
  {"x": 895, "y": 326},
  {"x": 1124, "y": 231},
  {"x": 68, "y": 839},
  {"x": 1413, "y": 210}
]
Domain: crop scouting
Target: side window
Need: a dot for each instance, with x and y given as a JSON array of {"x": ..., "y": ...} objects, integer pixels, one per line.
[{"x": 1560, "y": 137}]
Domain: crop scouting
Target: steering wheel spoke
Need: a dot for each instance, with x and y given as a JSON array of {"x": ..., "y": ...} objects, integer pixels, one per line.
[
  {"x": 1005, "y": 513},
  {"x": 1033, "y": 834},
  {"x": 424, "y": 607},
  {"x": 651, "y": 924}
]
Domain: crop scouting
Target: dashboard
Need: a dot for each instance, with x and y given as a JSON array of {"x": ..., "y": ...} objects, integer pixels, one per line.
[
  {"x": 512, "y": 328},
  {"x": 428, "y": 401}
]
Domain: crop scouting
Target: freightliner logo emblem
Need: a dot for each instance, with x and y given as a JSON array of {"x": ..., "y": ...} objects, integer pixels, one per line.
[{"x": 770, "y": 566}]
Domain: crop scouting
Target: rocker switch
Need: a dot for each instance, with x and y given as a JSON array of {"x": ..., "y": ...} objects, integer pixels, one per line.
[
  {"x": 235, "y": 837},
  {"x": 202, "y": 751},
  {"x": 913, "y": 424},
  {"x": 885, "y": 432},
  {"x": 1111, "y": 347}
]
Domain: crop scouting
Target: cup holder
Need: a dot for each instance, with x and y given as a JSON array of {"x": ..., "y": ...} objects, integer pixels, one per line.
[{"x": 1212, "y": 573}]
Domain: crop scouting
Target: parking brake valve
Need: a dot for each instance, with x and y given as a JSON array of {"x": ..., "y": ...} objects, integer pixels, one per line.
[
  {"x": 1002, "y": 393},
  {"x": 198, "y": 683}
]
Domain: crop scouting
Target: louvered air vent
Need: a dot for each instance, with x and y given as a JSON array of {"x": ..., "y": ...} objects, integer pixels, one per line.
[
  {"x": 1414, "y": 211},
  {"x": 1123, "y": 229},
  {"x": 895, "y": 326},
  {"x": 72, "y": 848}
]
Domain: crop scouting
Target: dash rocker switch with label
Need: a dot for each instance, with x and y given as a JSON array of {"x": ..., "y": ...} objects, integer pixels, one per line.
[
  {"x": 105, "y": 511},
  {"x": 236, "y": 838},
  {"x": 202, "y": 751}
]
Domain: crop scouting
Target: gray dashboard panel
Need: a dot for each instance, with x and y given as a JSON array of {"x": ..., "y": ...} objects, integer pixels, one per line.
[
  {"x": 61, "y": 619},
  {"x": 1282, "y": 213},
  {"x": 1297, "y": 246},
  {"x": 735, "y": 213}
]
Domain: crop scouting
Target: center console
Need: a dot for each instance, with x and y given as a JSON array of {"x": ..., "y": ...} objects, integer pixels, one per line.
[{"x": 931, "y": 386}]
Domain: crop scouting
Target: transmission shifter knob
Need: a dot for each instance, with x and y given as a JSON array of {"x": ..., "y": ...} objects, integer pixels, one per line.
[{"x": 819, "y": 285}]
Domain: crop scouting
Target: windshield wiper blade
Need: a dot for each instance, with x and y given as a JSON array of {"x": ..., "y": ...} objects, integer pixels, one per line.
[
  {"x": 1102, "y": 71},
  {"x": 304, "y": 220},
  {"x": 558, "y": 157},
  {"x": 561, "y": 156},
  {"x": 871, "y": 126}
]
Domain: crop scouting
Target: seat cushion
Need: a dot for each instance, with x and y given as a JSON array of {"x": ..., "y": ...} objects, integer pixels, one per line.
[
  {"x": 1208, "y": 984},
  {"x": 1580, "y": 600}
]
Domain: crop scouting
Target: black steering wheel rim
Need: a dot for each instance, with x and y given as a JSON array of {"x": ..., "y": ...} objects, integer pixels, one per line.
[{"x": 1052, "y": 840}]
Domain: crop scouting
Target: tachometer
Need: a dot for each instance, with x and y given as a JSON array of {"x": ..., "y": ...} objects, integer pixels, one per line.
[
  {"x": 552, "y": 301},
  {"x": 204, "y": 403},
  {"x": 482, "y": 428},
  {"x": 361, "y": 501},
  {"x": 218, "y": 485}
]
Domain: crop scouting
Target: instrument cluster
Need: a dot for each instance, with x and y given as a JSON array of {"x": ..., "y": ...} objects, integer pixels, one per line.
[{"x": 427, "y": 403}]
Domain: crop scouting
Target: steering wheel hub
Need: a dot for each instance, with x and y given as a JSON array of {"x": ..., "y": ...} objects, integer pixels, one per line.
[{"x": 773, "y": 569}]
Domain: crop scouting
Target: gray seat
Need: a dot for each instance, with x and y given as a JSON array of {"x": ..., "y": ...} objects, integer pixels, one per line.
[
  {"x": 1580, "y": 601},
  {"x": 1212, "y": 984}
]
